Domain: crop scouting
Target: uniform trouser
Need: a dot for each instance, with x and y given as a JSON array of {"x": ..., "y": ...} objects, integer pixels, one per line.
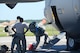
[
  {"x": 17, "y": 42},
  {"x": 23, "y": 45},
  {"x": 38, "y": 39},
  {"x": 22, "y": 41}
]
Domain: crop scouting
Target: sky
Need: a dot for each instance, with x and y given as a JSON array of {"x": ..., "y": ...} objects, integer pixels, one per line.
[{"x": 28, "y": 11}]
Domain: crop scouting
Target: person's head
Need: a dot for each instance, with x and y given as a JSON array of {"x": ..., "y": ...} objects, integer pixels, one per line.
[
  {"x": 18, "y": 17},
  {"x": 21, "y": 20}
]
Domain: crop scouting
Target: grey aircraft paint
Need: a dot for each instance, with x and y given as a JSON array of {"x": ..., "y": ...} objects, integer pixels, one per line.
[{"x": 65, "y": 16}]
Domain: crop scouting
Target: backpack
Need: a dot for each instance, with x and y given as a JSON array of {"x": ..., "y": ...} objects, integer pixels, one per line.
[
  {"x": 32, "y": 27},
  {"x": 4, "y": 48}
]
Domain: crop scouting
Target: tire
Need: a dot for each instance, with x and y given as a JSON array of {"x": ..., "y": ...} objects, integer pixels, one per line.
[{"x": 71, "y": 44}]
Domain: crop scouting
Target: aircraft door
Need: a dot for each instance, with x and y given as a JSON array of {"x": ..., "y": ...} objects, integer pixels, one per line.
[
  {"x": 63, "y": 13},
  {"x": 49, "y": 14}
]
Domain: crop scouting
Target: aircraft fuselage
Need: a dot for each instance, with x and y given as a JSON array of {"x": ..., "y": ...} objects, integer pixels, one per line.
[{"x": 65, "y": 16}]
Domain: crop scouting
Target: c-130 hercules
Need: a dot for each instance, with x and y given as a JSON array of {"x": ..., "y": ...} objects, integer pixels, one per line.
[{"x": 64, "y": 15}]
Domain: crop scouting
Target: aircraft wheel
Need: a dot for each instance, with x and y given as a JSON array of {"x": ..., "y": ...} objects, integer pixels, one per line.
[{"x": 71, "y": 44}]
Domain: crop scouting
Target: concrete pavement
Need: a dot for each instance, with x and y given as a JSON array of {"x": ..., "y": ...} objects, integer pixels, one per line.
[{"x": 57, "y": 48}]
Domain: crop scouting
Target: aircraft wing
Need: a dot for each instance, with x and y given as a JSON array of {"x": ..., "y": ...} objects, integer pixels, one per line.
[
  {"x": 11, "y": 3},
  {"x": 16, "y": 1}
]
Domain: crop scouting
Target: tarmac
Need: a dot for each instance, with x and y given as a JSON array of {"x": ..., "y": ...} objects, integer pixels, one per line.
[{"x": 59, "y": 47}]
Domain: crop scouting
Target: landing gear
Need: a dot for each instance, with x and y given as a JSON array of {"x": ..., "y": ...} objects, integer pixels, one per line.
[{"x": 72, "y": 44}]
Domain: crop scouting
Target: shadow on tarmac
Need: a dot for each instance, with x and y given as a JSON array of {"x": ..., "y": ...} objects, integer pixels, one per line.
[
  {"x": 55, "y": 49},
  {"x": 62, "y": 49}
]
